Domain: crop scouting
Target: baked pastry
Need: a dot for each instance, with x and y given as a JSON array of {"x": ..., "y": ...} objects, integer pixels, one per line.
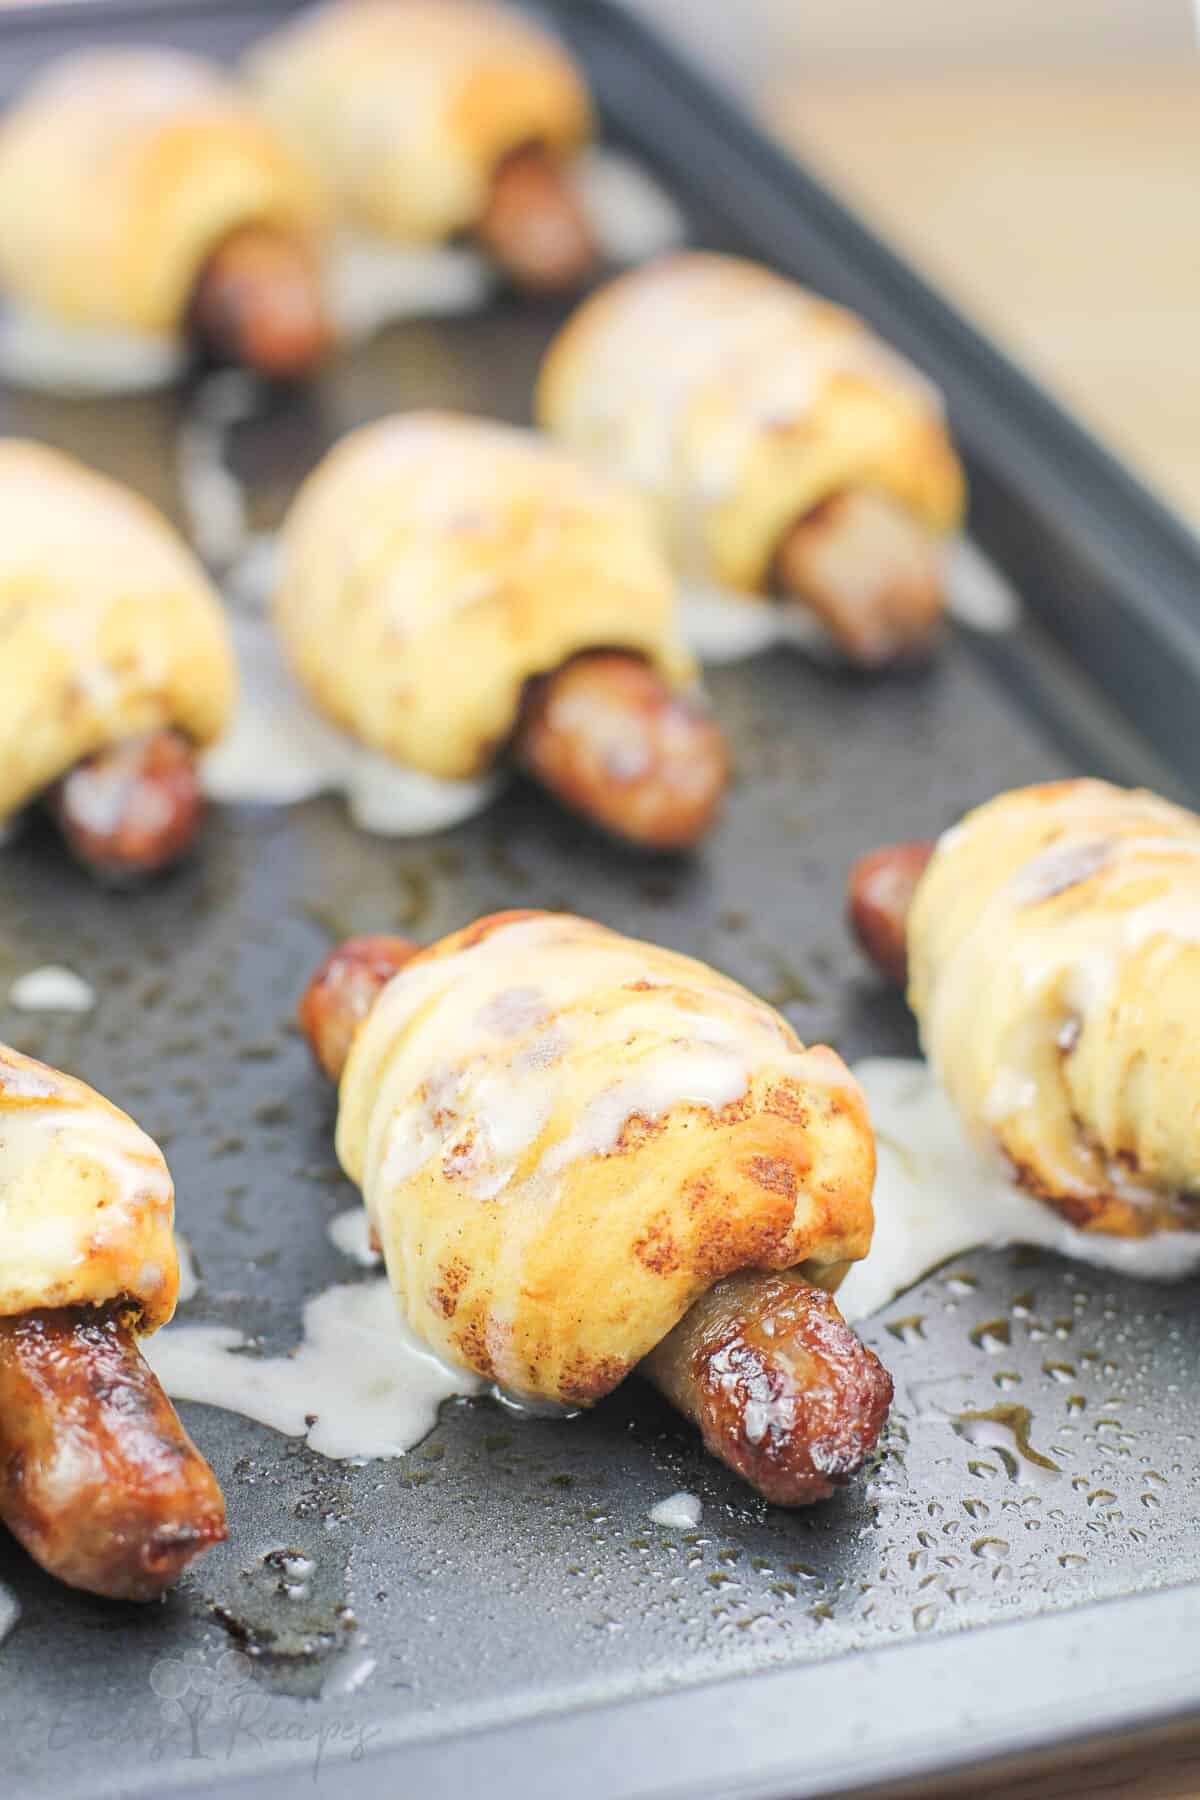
[
  {"x": 115, "y": 664},
  {"x": 449, "y": 586},
  {"x": 144, "y": 204},
  {"x": 790, "y": 455},
  {"x": 1050, "y": 945},
  {"x": 583, "y": 1155},
  {"x": 98, "y": 1478},
  {"x": 432, "y": 120}
]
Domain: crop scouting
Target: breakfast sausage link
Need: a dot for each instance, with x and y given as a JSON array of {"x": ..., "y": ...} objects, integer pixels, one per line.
[
  {"x": 608, "y": 736},
  {"x": 870, "y": 572},
  {"x": 879, "y": 894},
  {"x": 782, "y": 1390},
  {"x": 133, "y": 808},
  {"x": 534, "y": 225},
  {"x": 343, "y": 991},
  {"x": 258, "y": 303},
  {"x": 98, "y": 1479}
]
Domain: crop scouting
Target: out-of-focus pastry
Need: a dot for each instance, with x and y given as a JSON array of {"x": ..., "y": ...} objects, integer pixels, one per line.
[
  {"x": 584, "y": 1155},
  {"x": 115, "y": 663},
  {"x": 802, "y": 472},
  {"x": 453, "y": 590},
  {"x": 435, "y": 119},
  {"x": 1051, "y": 944},
  {"x": 98, "y": 1478},
  {"x": 147, "y": 210}
]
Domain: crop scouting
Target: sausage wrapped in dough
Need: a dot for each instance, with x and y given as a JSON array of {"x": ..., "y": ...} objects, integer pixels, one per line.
[
  {"x": 141, "y": 196},
  {"x": 448, "y": 585},
  {"x": 115, "y": 664},
  {"x": 788, "y": 452},
  {"x": 97, "y": 1476},
  {"x": 431, "y": 119},
  {"x": 1051, "y": 943},
  {"x": 581, "y": 1154}
]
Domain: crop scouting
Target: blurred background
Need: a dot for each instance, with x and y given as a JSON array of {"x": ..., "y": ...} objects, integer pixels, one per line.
[{"x": 1038, "y": 159}]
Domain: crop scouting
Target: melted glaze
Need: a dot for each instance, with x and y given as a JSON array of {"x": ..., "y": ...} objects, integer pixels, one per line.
[
  {"x": 279, "y": 751},
  {"x": 936, "y": 1198},
  {"x": 631, "y": 215},
  {"x": 39, "y": 352},
  {"x": 680, "y": 1511},
  {"x": 359, "y": 1385},
  {"x": 52, "y": 988},
  {"x": 721, "y": 626}
]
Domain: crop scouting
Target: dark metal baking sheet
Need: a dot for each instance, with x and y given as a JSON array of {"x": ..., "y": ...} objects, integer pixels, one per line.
[{"x": 529, "y": 1627}]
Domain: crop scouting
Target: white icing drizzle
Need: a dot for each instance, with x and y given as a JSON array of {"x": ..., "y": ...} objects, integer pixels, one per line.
[
  {"x": 212, "y": 497},
  {"x": 680, "y": 1511},
  {"x": 279, "y": 751},
  {"x": 10, "y": 1610},
  {"x": 359, "y": 1385},
  {"x": 52, "y": 988},
  {"x": 37, "y": 351},
  {"x": 978, "y": 595},
  {"x": 631, "y": 214},
  {"x": 936, "y": 1198},
  {"x": 251, "y": 579},
  {"x": 44, "y": 1236},
  {"x": 350, "y": 1232},
  {"x": 374, "y": 282},
  {"x": 189, "y": 1279}
]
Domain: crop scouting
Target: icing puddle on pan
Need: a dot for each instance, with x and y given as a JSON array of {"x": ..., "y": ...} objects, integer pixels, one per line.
[{"x": 1042, "y": 1447}]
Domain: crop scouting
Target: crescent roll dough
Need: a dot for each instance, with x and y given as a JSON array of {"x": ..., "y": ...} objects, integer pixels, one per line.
[
  {"x": 433, "y": 564},
  {"x": 120, "y": 172},
  {"x": 407, "y": 107},
  {"x": 563, "y": 1137},
  {"x": 1054, "y": 957},
  {"x": 108, "y": 626},
  {"x": 738, "y": 401},
  {"x": 86, "y": 1202}
]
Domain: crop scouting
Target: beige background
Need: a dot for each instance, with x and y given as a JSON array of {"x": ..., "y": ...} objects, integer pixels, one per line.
[{"x": 1039, "y": 158}]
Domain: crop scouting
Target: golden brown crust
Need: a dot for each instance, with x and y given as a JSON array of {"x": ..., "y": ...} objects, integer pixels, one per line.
[
  {"x": 1054, "y": 945},
  {"x": 443, "y": 94},
  {"x": 739, "y": 402},
  {"x": 121, "y": 171},
  {"x": 98, "y": 1479},
  {"x": 782, "y": 1390},
  {"x": 433, "y": 564},
  {"x": 86, "y": 1201},
  {"x": 109, "y": 629},
  {"x": 564, "y": 1137}
]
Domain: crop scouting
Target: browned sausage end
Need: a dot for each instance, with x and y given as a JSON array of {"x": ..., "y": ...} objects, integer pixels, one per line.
[
  {"x": 782, "y": 1390},
  {"x": 608, "y": 736},
  {"x": 343, "y": 991},
  {"x": 98, "y": 1479},
  {"x": 133, "y": 808},
  {"x": 879, "y": 895}
]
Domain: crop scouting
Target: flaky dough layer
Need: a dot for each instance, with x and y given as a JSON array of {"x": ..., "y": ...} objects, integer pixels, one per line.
[
  {"x": 564, "y": 1136},
  {"x": 108, "y": 625},
  {"x": 1054, "y": 966},
  {"x": 433, "y": 564},
  {"x": 86, "y": 1202},
  {"x": 121, "y": 171},
  {"x": 441, "y": 91},
  {"x": 737, "y": 401}
]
